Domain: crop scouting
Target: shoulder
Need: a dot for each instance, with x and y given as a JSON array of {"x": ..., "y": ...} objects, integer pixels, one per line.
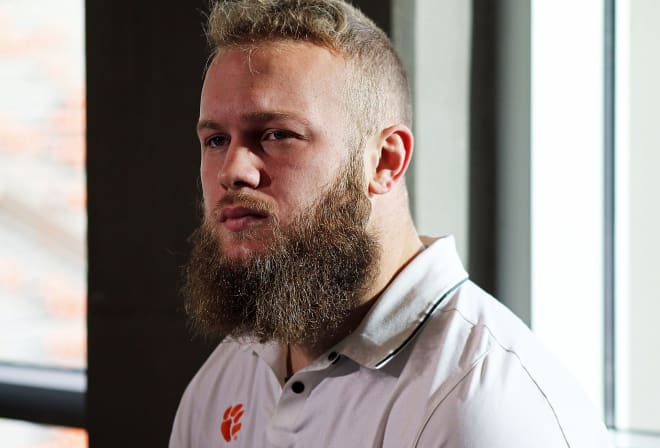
[
  {"x": 500, "y": 387},
  {"x": 499, "y": 404}
]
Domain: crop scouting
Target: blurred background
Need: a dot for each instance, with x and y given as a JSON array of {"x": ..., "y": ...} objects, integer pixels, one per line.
[
  {"x": 537, "y": 143},
  {"x": 43, "y": 287}
]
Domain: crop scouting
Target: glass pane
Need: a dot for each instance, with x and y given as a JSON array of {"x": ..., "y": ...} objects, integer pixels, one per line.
[
  {"x": 42, "y": 183},
  {"x": 638, "y": 215},
  {"x": 17, "y": 434},
  {"x": 566, "y": 185}
]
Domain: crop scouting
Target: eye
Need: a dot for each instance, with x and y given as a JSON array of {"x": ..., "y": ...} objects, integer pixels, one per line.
[
  {"x": 217, "y": 141},
  {"x": 278, "y": 134}
]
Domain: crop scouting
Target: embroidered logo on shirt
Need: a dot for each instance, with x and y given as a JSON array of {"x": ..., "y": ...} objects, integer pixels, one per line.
[{"x": 231, "y": 422}]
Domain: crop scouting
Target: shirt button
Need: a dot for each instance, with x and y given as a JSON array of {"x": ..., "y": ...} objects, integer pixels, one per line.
[{"x": 298, "y": 387}]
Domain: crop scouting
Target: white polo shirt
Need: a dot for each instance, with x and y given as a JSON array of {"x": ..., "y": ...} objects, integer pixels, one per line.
[{"x": 437, "y": 362}]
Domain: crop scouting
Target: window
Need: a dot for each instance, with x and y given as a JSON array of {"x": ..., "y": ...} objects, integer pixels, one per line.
[
  {"x": 593, "y": 215},
  {"x": 636, "y": 217},
  {"x": 42, "y": 217},
  {"x": 567, "y": 178},
  {"x": 18, "y": 434}
]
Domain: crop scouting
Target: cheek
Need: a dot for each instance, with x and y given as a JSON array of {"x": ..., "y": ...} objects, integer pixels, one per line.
[
  {"x": 292, "y": 195},
  {"x": 210, "y": 186},
  {"x": 306, "y": 187}
]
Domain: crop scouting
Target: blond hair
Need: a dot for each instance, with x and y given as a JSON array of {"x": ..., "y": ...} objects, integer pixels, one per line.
[{"x": 377, "y": 89}]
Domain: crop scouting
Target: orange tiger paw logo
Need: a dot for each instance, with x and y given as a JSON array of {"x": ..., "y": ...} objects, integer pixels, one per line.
[{"x": 231, "y": 422}]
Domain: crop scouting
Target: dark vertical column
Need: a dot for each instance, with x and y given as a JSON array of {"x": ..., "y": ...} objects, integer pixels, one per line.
[
  {"x": 512, "y": 118},
  {"x": 609, "y": 230},
  {"x": 380, "y": 11},
  {"x": 144, "y": 73},
  {"x": 483, "y": 145}
]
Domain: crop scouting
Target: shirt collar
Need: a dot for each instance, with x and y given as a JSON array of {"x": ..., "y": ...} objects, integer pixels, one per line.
[
  {"x": 405, "y": 305},
  {"x": 398, "y": 314}
]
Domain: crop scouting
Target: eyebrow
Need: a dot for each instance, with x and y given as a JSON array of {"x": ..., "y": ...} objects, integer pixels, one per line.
[{"x": 255, "y": 118}]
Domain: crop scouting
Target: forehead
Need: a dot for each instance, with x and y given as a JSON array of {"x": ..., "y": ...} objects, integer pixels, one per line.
[
  {"x": 272, "y": 56},
  {"x": 274, "y": 75}
]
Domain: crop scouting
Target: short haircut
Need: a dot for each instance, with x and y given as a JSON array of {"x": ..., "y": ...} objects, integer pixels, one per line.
[{"x": 377, "y": 91}]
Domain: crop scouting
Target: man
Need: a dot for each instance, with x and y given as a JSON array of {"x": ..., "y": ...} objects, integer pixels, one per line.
[{"x": 342, "y": 327}]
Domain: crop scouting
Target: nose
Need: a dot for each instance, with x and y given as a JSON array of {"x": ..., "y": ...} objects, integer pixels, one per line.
[{"x": 240, "y": 169}]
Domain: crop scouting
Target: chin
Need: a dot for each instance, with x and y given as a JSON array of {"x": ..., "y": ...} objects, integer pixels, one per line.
[{"x": 238, "y": 249}]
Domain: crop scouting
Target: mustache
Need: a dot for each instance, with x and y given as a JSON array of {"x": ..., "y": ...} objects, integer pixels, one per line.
[{"x": 246, "y": 200}]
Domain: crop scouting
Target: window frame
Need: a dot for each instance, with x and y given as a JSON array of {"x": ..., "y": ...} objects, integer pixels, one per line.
[{"x": 44, "y": 395}]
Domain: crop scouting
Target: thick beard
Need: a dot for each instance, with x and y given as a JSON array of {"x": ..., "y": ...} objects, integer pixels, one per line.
[{"x": 302, "y": 288}]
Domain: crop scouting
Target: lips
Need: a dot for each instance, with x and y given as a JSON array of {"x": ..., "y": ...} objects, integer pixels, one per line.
[{"x": 240, "y": 218}]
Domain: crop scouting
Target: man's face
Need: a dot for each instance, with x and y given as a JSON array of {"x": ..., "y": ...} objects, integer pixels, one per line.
[
  {"x": 273, "y": 138},
  {"x": 285, "y": 252}
]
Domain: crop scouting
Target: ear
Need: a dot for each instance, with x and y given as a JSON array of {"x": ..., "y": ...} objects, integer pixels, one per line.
[{"x": 393, "y": 152}]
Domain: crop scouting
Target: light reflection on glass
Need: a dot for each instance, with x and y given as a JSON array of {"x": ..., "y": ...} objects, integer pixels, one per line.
[{"x": 17, "y": 434}]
